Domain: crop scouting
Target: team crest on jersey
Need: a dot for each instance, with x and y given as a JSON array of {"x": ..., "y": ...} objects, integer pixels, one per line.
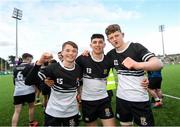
[
  {"x": 116, "y": 62},
  {"x": 143, "y": 120},
  {"x": 107, "y": 112},
  {"x": 105, "y": 71}
]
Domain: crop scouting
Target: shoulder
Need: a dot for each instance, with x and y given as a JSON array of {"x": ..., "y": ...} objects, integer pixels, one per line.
[
  {"x": 136, "y": 45},
  {"x": 81, "y": 59},
  {"x": 83, "y": 56},
  {"x": 107, "y": 57},
  {"x": 52, "y": 66},
  {"x": 112, "y": 51}
]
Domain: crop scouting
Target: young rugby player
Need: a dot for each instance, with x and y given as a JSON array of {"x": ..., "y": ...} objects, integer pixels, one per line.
[
  {"x": 95, "y": 101},
  {"x": 62, "y": 107},
  {"x": 22, "y": 92},
  {"x": 130, "y": 61}
]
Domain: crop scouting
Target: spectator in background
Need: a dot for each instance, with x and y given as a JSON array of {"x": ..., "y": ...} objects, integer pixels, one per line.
[
  {"x": 60, "y": 56},
  {"x": 155, "y": 80}
]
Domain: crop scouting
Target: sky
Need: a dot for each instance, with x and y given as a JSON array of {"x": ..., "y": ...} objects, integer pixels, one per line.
[{"x": 47, "y": 24}]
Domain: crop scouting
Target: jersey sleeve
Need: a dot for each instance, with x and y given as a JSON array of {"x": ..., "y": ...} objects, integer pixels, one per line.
[
  {"x": 45, "y": 72},
  {"x": 78, "y": 60},
  {"x": 143, "y": 52},
  {"x": 32, "y": 76},
  {"x": 110, "y": 57},
  {"x": 110, "y": 61}
]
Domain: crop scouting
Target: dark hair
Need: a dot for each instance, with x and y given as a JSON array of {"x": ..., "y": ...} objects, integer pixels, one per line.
[
  {"x": 74, "y": 45},
  {"x": 112, "y": 28},
  {"x": 26, "y": 55},
  {"x": 53, "y": 61},
  {"x": 97, "y": 36},
  {"x": 59, "y": 52}
]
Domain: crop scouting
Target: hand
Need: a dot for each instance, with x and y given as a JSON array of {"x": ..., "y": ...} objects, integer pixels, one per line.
[
  {"x": 49, "y": 82},
  {"x": 78, "y": 97},
  {"x": 130, "y": 63},
  {"x": 145, "y": 83},
  {"x": 46, "y": 57},
  {"x": 85, "y": 53}
]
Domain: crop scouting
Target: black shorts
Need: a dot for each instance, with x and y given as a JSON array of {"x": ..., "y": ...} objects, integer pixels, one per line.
[
  {"x": 54, "y": 121},
  {"x": 29, "y": 98},
  {"x": 91, "y": 110},
  {"x": 155, "y": 83},
  {"x": 138, "y": 112}
]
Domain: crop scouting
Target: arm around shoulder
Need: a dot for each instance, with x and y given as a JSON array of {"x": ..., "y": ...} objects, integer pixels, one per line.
[{"x": 32, "y": 76}]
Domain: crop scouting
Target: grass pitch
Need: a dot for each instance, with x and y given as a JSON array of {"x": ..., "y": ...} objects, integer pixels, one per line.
[{"x": 168, "y": 115}]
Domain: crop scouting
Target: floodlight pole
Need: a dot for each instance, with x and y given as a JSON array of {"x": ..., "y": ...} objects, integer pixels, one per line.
[
  {"x": 16, "y": 39},
  {"x": 161, "y": 29},
  {"x": 17, "y": 14}
]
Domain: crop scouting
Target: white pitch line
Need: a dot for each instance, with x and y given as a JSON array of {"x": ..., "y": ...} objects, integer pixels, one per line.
[{"x": 170, "y": 96}]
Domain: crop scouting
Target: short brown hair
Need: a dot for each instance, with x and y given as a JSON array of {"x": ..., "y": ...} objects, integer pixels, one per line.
[
  {"x": 112, "y": 28},
  {"x": 74, "y": 45},
  {"x": 26, "y": 55}
]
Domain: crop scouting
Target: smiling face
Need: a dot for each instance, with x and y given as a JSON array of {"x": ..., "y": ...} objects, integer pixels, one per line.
[
  {"x": 97, "y": 45},
  {"x": 69, "y": 52}
]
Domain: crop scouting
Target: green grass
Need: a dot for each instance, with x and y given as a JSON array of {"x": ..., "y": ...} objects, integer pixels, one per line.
[
  {"x": 7, "y": 107},
  {"x": 168, "y": 115}
]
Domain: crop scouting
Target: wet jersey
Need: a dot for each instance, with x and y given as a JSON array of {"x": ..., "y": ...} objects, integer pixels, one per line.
[
  {"x": 129, "y": 81},
  {"x": 95, "y": 73},
  {"x": 19, "y": 75}
]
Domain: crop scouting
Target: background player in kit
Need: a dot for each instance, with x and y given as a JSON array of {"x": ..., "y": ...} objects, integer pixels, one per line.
[
  {"x": 130, "y": 61},
  {"x": 154, "y": 88},
  {"x": 62, "y": 108},
  {"x": 22, "y": 92},
  {"x": 95, "y": 101}
]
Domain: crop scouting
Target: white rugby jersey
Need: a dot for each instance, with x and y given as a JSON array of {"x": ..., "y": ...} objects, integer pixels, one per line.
[
  {"x": 19, "y": 75},
  {"x": 129, "y": 81},
  {"x": 62, "y": 102},
  {"x": 95, "y": 73}
]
